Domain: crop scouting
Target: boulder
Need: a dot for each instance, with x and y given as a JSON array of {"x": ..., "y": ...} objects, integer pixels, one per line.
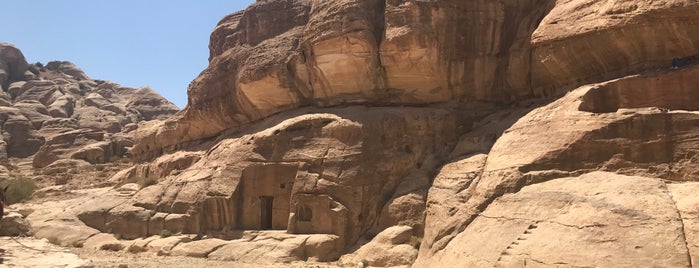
[
  {"x": 139, "y": 245},
  {"x": 12, "y": 64},
  {"x": 199, "y": 248},
  {"x": 149, "y": 104},
  {"x": 267, "y": 248},
  {"x": 389, "y": 248},
  {"x": 14, "y": 224},
  {"x": 103, "y": 241},
  {"x": 164, "y": 246},
  {"x": 62, "y": 107},
  {"x": 68, "y": 68}
]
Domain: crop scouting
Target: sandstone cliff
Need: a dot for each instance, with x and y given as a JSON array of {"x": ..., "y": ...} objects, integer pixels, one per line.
[
  {"x": 57, "y": 122},
  {"x": 494, "y": 133}
]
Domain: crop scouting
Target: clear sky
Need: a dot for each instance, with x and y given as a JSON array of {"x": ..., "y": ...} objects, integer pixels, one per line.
[{"x": 158, "y": 43}]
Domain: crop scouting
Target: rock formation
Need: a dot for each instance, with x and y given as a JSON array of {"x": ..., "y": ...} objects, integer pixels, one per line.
[
  {"x": 60, "y": 121},
  {"x": 486, "y": 133}
]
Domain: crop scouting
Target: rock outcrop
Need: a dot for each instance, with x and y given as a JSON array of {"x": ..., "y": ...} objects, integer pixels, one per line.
[
  {"x": 560, "y": 145},
  {"x": 501, "y": 133},
  {"x": 56, "y": 117},
  {"x": 318, "y": 172}
]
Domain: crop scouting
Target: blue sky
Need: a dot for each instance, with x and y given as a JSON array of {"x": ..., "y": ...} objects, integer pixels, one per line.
[{"x": 158, "y": 43}]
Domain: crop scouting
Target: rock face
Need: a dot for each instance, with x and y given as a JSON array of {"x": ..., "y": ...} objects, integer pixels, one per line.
[
  {"x": 13, "y": 66},
  {"x": 315, "y": 173},
  {"x": 56, "y": 112},
  {"x": 502, "y": 133},
  {"x": 560, "y": 146},
  {"x": 389, "y": 248},
  {"x": 623, "y": 220}
]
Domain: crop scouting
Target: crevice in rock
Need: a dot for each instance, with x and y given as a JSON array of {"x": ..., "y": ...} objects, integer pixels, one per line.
[
  {"x": 214, "y": 249},
  {"x": 679, "y": 215},
  {"x": 595, "y": 225}
]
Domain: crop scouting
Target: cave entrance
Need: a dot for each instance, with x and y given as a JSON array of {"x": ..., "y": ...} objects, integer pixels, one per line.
[{"x": 266, "y": 205}]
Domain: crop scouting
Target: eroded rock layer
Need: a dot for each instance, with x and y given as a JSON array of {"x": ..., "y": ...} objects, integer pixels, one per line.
[
  {"x": 484, "y": 133},
  {"x": 60, "y": 121}
]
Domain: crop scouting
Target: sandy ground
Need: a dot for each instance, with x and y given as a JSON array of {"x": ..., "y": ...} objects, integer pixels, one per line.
[{"x": 32, "y": 252}]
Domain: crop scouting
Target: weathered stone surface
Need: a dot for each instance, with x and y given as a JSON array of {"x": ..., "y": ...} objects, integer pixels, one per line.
[
  {"x": 413, "y": 52},
  {"x": 93, "y": 146},
  {"x": 684, "y": 195},
  {"x": 104, "y": 241},
  {"x": 306, "y": 125},
  {"x": 149, "y": 104},
  {"x": 565, "y": 138},
  {"x": 322, "y": 172},
  {"x": 625, "y": 221},
  {"x": 12, "y": 64},
  {"x": 25, "y": 254},
  {"x": 200, "y": 248},
  {"x": 19, "y": 133},
  {"x": 68, "y": 68},
  {"x": 389, "y": 248},
  {"x": 140, "y": 244},
  {"x": 53, "y": 100},
  {"x": 58, "y": 221},
  {"x": 575, "y": 26},
  {"x": 14, "y": 224},
  {"x": 269, "y": 247},
  {"x": 163, "y": 246},
  {"x": 344, "y": 54}
]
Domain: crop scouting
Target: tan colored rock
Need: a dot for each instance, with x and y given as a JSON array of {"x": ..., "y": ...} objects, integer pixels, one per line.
[
  {"x": 104, "y": 241},
  {"x": 486, "y": 176},
  {"x": 565, "y": 139},
  {"x": 61, "y": 146},
  {"x": 149, "y": 104},
  {"x": 320, "y": 174},
  {"x": 140, "y": 244},
  {"x": 368, "y": 52},
  {"x": 19, "y": 133},
  {"x": 172, "y": 163},
  {"x": 39, "y": 103},
  {"x": 96, "y": 100},
  {"x": 684, "y": 195},
  {"x": 93, "y": 153},
  {"x": 127, "y": 221},
  {"x": 574, "y": 26},
  {"x": 34, "y": 111},
  {"x": 14, "y": 224},
  {"x": 64, "y": 231},
  {"x": 164, "y": 246},
  {"x": 62, "y": 107},
  {"x": 626, "y": 221},
  {"x": 63, "y": 221},
  {"x": 12, "y": 64},
  {"x": 269, "y": 247},
  {"x": 199, "y": 248},
  {"x": 322, "y": 248},
  {"x": 389, "y": 248},
  {"x": 68, "y": 68},
  {"x": 22, "y": 252}
]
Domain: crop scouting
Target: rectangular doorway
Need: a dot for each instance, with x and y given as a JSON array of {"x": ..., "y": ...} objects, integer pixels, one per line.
[{"x": 266, "y": 205}]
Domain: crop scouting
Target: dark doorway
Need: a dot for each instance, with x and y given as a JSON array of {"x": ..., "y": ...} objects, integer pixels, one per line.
[{"x": 266, "y": 212}]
